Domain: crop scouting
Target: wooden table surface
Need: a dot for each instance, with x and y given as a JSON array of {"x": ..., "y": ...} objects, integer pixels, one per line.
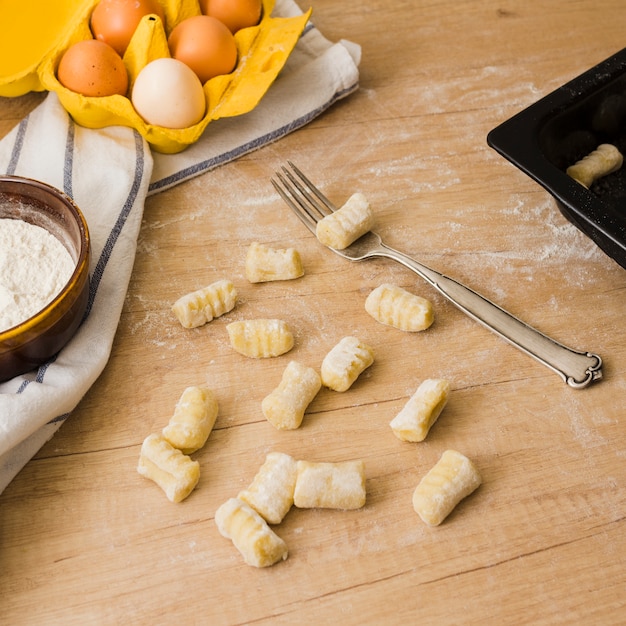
[{"x": 85, "y": 540}]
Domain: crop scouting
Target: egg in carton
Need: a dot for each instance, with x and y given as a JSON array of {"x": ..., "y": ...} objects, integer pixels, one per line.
[{"x": 262, "y": 51}]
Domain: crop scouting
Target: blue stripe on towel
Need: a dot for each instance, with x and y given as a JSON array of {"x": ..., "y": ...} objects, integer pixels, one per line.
[
  {"x": 68, "y": 163},
  {"x": 17, "y": 146}
]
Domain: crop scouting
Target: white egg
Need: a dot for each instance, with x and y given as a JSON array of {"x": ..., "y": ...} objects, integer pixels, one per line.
[{"x": 168, "y": 93}]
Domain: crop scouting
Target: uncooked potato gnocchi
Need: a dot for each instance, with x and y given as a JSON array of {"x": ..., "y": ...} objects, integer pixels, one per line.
[
  {"x": 450, "y": 480},
  {"x": 330, "y": 485},
  {"x": 193, "y": 419},
  {"x": 259, "y": 545},
  {"x": 345, "y": 362},
  {"x": 168, "y": 467},
  {"x": 285, "y": 406},
  {"x": 271, "y": 492},
  {"x": 280, "y": 483},
  {"x": 265, "y": 264},
  {"x": 199, "y": 307},
  {"x": 260, "y": 338},
  {"x": 397, "y": 307},
  {"x": 604, "y": 160},
  {"x": 421, "y": 411},
  {"x": 345, "y": 225}
]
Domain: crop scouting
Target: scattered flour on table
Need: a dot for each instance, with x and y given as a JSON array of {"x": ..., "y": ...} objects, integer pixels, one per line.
[
  {"x": 540, "y": 237},
  {"x": 34, "y": 268}
]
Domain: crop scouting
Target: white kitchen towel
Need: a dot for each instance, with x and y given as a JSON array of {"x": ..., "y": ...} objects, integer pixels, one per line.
[{"x": 109, "y": 173}]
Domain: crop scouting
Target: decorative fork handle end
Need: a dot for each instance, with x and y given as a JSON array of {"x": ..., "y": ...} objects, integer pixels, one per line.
[{"x": 592, "y": 373}]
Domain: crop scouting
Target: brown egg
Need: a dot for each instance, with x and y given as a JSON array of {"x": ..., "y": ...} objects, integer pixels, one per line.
[
  {"x": 93, "y": 68},
  {"x": 205, "y": 45},
  {"x": 115, "y": 21},
  {"x": 236, "y": 14}
]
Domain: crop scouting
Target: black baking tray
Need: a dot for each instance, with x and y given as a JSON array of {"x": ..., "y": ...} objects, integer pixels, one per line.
[{"x": 560, "y": 129}]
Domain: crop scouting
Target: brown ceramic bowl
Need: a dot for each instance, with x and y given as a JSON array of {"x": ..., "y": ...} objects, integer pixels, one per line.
[{"x": 36, "y": 340}]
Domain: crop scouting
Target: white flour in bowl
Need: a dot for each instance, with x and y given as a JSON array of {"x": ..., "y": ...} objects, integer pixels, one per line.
[{"x": 34, "y": 268}]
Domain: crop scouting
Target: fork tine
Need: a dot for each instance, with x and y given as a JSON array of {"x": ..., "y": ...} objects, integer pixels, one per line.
[
  {"x": 294, "y": 202},
  {"x": 303, "y": 196},
  {"x": 329, "y": 206}
]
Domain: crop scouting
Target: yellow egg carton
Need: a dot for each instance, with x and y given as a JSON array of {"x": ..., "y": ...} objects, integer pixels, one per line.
[{"x": 32, "y": 43}]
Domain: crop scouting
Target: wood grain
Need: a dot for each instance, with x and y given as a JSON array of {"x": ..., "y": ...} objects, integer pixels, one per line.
[{"x": 86, "y": 540}]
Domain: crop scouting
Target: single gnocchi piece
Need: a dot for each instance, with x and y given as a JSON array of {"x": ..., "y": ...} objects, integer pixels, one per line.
[
  {"x": 345, "y": 363},
  {"x": 259, "y": 545},
  {"x": 451, "y": 479},
  {"x": 260, "y": 338},
  {"x": 168, "y": 467},
  {"x": 265, "y": 264},
  {"x": 397, "y": 307},
  {"x": 193, "y": 420},
  {"x": 421, "y": 411},
  {"x": 285, "y": 406},
  {"x": 199, "y": 307},
  {"x": 604, "y": 160},
  {"x": 345, "y": 225},
  {"x": 271, "y": 492},
  {"x": 330, "y": 485}
]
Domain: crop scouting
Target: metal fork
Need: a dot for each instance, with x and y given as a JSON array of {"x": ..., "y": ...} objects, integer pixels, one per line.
[{"x": 576, "y": 368}]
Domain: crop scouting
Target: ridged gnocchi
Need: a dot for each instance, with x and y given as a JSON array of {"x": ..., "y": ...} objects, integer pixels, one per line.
[
  {"x": 193, "y": 419},
  {"x": 285, "y": 406},
  {"x": 168, "y": 467},
  {"x": 330, "y": 485},
  {"x": 260, "y": 338},
  {"x": 451, "y": 479},
  {"x": 345, "y": 225},
  {"x": 421, "y": 411},
  {"x": 199, "y": 307},
  {"x": 604, "y": 160},
  {"x": 265, "y": 264},
  {"x": 345, "y": 362},
  {"x": 271, "y": 492},
  {"x": 397, "y": 307},
  {"x": 259, "y": 545},
  {"x": 280, "y": 483}
]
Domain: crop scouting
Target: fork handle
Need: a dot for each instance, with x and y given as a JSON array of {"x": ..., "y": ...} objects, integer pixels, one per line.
[{"x": 576, "y": 368}]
